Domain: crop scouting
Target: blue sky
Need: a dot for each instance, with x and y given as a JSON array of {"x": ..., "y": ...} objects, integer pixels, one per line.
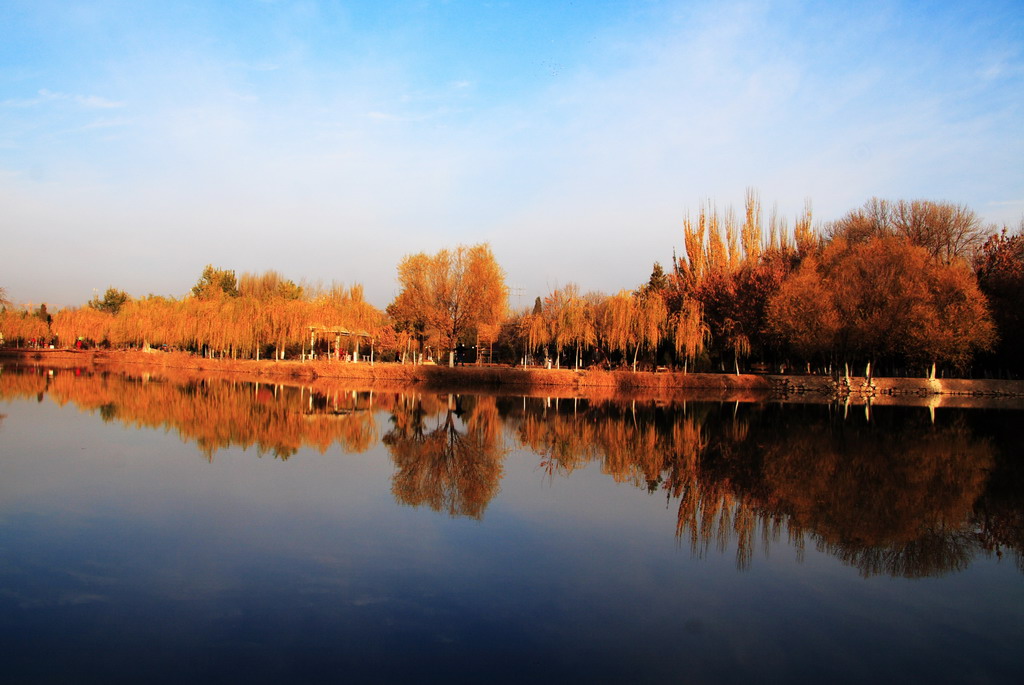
[{"x": 140, "y": 141}]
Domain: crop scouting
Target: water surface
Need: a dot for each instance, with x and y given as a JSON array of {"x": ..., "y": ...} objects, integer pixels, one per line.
[{"x": 206, "y": 530}]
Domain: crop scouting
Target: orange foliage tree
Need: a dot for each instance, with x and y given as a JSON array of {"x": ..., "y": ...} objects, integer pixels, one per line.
[
  {"x": 19, "y": 327},
  {"x": 570, "y": 318},
  {"x": 883, "y": 299},
  {"x": 717, "y": 299},
  {"x": 221, "y": 318},
  {"x": 947, "y": 231},
  {"x": 453, "y": 292}
]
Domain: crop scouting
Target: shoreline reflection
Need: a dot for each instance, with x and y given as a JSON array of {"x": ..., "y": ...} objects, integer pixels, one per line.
[{"x": 892, "y": 492}]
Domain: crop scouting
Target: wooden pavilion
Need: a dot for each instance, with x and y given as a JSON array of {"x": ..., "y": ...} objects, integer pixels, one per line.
[{"x": 338, "y": 332}]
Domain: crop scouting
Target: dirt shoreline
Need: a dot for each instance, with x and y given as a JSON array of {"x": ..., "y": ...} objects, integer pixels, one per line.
[{"x": 595, "y": 384}]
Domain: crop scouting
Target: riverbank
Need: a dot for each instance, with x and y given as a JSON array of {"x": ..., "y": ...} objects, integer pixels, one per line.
[{"x": 554, "y": 382}]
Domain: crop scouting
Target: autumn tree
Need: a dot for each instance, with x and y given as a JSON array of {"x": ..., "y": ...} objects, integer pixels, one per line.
[
  {"x": 801, "y": 313},
  {"x": 617, "y": 320},
  {"x": 533, "y": 328},
  {"x": 570, "y": 318},
  {"x": 86, "y": 323},
  {"x": 268, "y": 285},
  {"x": 650, "y": 320},
  {"x": 407, "y": 311},
  {"x": 347, "y": 307},
  {"x": 689, "y": 331},
  {"x": 883, "y": 298},
  {"x": 453, "y": 292},
  {"x": 275, "y": 310},
  {"x": 947, "y": 231},
  {"x": 19, "y": 327},
  {"x": 723, "y": 282}
]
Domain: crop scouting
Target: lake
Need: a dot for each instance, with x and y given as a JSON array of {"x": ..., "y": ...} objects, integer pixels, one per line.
[{"x": 162, "y": 529}]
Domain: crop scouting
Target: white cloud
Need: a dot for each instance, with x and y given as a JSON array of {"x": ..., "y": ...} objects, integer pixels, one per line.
[
  {"x": 385, "y": 116},
  {"x": 108, "y": 122},
  {"x": 88, "y": 101}
]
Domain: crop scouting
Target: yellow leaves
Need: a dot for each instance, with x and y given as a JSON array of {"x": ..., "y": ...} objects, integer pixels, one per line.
[
  {"x": 617, "y": 321},
  {"x": 629, "y": 321},
  {"x": 449, "y": 470},
  {"x": 452, "y": 292},
  {"x": 570, "y": 318},
  {"x": 535, "y": 329},
  {"x": 22, "y": 326},
  {"x": 85, "y": 322},
  {"x": 651, "y": 316},
  {"x": 711, "y": 245},
  {"x": 752, "y": 228},
  {"x": 802, "y": 312},
  {"x": 718, "y": 258},
  {"x": 732, "y": 247},
  {"x": 806, "y": 238},
  {"x": 690, "y": 332},
  {"x": 695, "y": 263},
  {"x": 268, "y": 285},
  {"x": 235, "y": 325}
]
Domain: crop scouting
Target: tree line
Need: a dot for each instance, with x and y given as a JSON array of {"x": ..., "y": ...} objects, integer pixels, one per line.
[{"x": 898, "y": 286}]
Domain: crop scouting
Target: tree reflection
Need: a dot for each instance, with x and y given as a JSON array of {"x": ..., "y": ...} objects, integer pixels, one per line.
[
  {"x": 213, "y": 414},
  {"x": 896, "y": 495},
  {"x": 444, "y": 468},
  {"x": 22, "y": 383},
  {"x": 891, "y": 496},
  {"x": 890, "y": 492}
]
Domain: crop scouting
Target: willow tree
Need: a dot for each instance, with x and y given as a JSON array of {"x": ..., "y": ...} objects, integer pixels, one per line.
[
  {"x": 268, "y": 285},
  {"x": 533, "y": 330},
  {"x": 453, "y": 292},
  {"x": 87, "y": 323},
  {"x": 21, "y": 326},
  {"x": 689, "y": 330},
  {"x": 617, "y": 320},
  {"x": 571, "y": 321},
  {"x": 651, "y": 318},
  {"x": 631, "y": 321}
]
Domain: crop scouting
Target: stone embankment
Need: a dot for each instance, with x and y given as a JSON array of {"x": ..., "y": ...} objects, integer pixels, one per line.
[{"x": 944, "y": 391}]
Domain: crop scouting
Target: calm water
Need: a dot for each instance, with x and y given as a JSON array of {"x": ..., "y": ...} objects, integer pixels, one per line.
[{"x": 154, "y": 530}]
